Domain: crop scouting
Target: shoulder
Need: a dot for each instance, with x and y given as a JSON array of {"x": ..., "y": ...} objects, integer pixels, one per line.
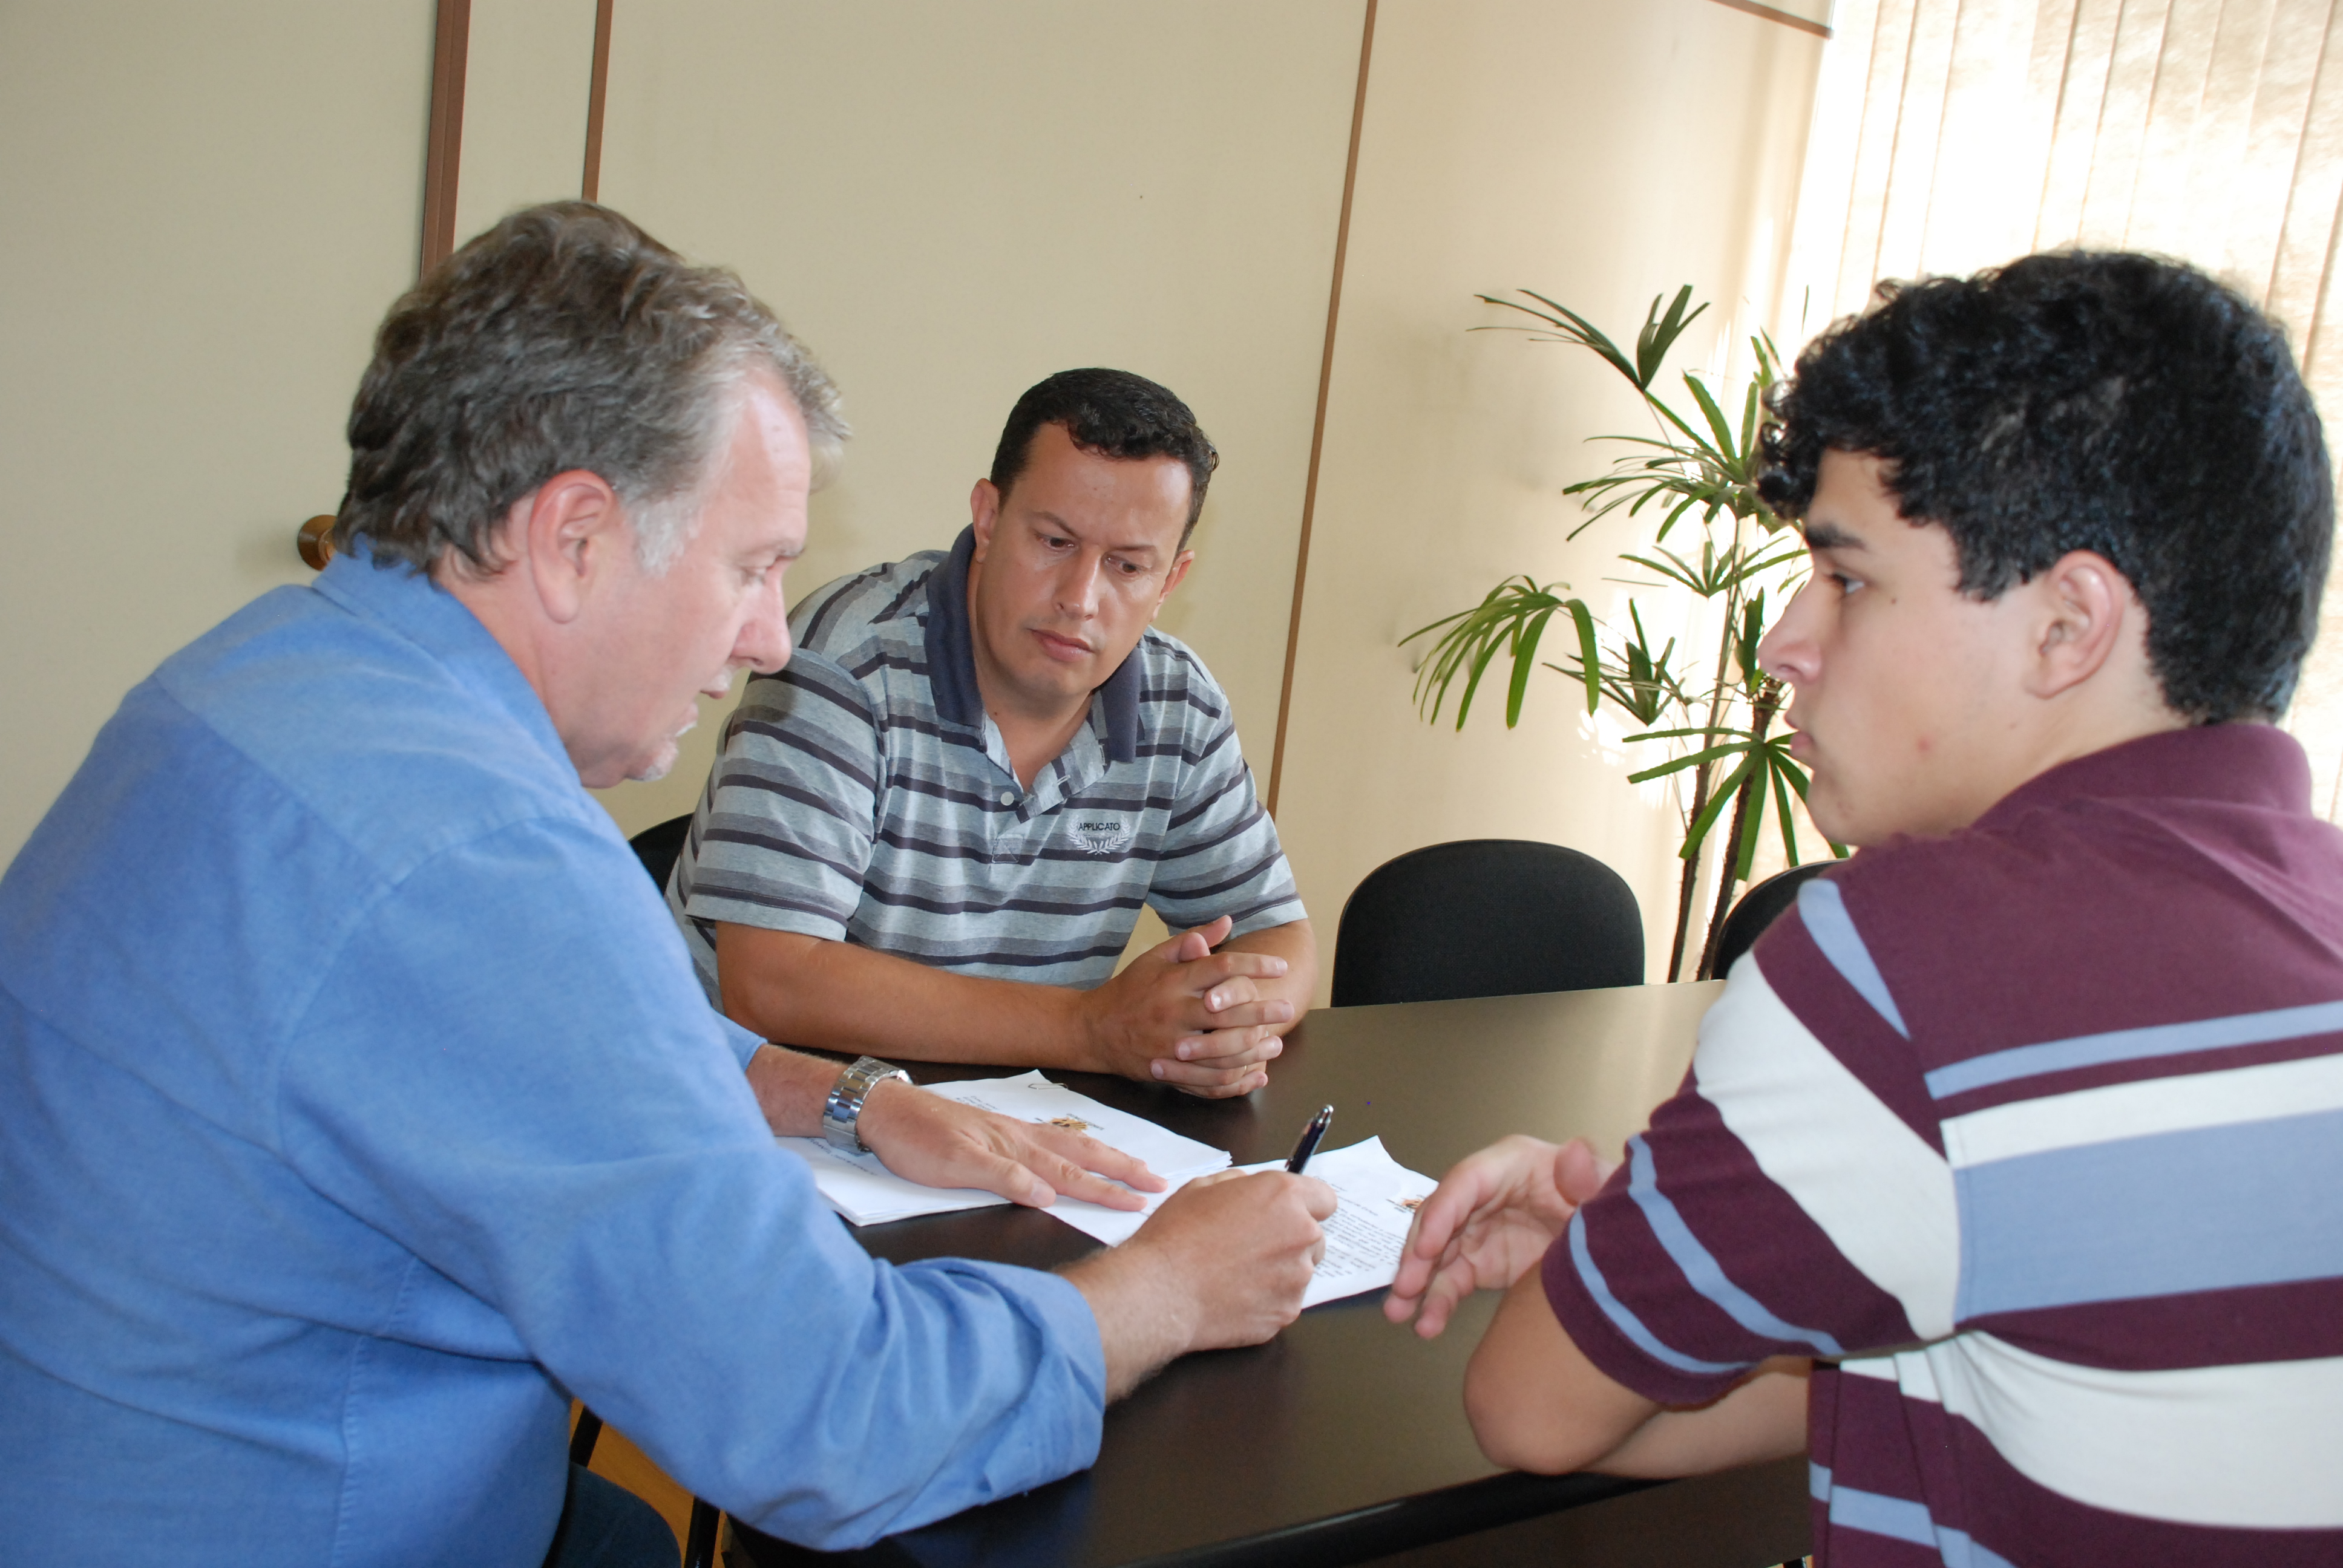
[
  {"x": 885, "y": 604},
  {"x": 370, "y": 735},
  {"x": 1176, "y": 692}
]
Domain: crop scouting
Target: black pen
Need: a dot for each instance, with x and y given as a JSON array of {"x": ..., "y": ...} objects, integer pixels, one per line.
[{"x": 1311, "y": 1134}]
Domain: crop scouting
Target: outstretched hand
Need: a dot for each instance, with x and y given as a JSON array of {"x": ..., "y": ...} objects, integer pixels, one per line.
[
  {"x": 939, "y": 1142},
  {"x": 1492, "y": 1219},
  {"x": 1185, "y": 1014}
]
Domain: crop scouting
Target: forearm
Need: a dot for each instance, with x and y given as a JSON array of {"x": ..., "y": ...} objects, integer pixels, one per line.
[
  {"x": 1298, "y": 946},
  {"x": 834, "y": 996},
  {"x": 1764, "y": 1417},
  {"x": 1141, "y": 1317},
  {"x": 1537, "y": 1403}
]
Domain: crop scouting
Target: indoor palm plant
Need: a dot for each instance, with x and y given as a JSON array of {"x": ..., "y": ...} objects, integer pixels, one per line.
[{"x": 1712, "y": 717}]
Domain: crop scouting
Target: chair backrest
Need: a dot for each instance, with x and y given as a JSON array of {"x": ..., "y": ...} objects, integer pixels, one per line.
[
  {"x": 657, "y": 847},
  {"x": 1486, "y": 917},
  {"x": 1760, "y": 907}
]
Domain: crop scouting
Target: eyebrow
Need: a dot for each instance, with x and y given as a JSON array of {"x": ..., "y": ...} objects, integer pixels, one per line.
[
  {"x": 1830, "y": 537},
  {"x": 1140, "y": 547}
]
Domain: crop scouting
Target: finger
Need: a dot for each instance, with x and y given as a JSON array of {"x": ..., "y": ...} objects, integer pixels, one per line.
[
  {"x": 1579, "y": 1173},
  {"x": 1229, "y": 993},
  {"x": 997, "y": 1173},
  {"x": 1073, "y": 1181},
  {"x": 1217, "y": 1177},
  {"x": 1317, "y": 1197},
  {"x": 1089, "y": 1154},
  {"x": 1246, "y": 1015},
  {"x": 1228, "y": 1048},
  {"x": 1216, "y": 933},
  {"x": 1210, "y": 1075},
  {"x": 1440, "y": 1304},
  {"x": 1224, "y": 1090}
]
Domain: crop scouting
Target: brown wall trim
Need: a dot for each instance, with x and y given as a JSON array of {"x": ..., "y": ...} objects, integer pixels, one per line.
[
  {"x": 443, "y": 154},
  {"x": 589, "y": 185},
  {"x": 1318, "y": 427},
  {"x": 1771, "y": 14}
]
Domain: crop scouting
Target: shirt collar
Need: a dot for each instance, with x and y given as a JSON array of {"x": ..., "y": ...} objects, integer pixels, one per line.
[
  {"x": 952, "y": 661},
  {"x": 2257, "y": 765},
  {"x": 407, "y": 600}
]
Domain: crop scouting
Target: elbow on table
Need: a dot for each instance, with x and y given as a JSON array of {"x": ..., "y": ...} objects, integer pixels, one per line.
[{"x": 1519, "y": 1427}]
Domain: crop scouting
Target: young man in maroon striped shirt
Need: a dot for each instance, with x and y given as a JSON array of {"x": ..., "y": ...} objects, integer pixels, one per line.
[{"x": 2007, "y": 1184}]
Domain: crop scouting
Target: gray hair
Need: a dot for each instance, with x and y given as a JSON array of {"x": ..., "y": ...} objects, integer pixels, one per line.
[{"x": 564, "y": 337}]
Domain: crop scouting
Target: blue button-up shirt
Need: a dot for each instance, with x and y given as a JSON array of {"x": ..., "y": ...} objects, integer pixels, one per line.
[{"x": 358, "y": 1105}]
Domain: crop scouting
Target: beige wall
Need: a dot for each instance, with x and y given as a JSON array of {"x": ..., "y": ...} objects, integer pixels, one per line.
[
  {"x": 949, "y": 202},
  {"x": 1600, "y": 154},
  {"x": 527, "y": 74},
  {"x": 208, "y": 208}
]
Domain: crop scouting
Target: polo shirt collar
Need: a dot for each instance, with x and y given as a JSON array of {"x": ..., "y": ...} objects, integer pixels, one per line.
[
  {"x": 2253, "y": 765},
  {"x": 952, "y": 661},
  {"x": 410, "y": 604}
]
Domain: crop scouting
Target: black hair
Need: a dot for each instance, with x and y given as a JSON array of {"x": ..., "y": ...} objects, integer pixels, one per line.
[
  {"x": 2092, "y": 401},
  {"x": 1115, "y": 414}
]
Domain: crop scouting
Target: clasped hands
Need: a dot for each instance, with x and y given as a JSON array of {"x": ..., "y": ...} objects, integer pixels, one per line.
[
  {"x": 1185, "y": 1014},
  {"x": 1491, "y": 1220}
]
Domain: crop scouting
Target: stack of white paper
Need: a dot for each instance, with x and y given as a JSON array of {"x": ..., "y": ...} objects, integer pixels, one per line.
[
  {"x": 1378, "y": 1195},
  {"x": 1378, "y": 1198},
  {"x": 866, "y": 1192}
]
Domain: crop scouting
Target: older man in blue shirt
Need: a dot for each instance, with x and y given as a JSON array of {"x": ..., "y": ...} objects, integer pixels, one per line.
[{"x": 360, "y": 1106}]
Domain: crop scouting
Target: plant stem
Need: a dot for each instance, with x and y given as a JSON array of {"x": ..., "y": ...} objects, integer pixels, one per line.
[
  {"x": 1701, "y": 776},
  {"x": 1762, "y": 704}
]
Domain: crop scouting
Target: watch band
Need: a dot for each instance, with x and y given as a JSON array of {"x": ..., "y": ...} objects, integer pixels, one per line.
[{"x": 842, "y": 1110}]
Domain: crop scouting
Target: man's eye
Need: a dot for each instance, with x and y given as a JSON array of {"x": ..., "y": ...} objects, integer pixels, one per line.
[{"x": 1843, "y": 583}]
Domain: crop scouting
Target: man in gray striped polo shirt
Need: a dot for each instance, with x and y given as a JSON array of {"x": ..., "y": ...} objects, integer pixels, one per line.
[{"x": 930, "y": 835}]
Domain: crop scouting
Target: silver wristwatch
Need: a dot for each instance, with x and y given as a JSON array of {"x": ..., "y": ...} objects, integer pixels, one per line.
[{"x": 843, "y": 1109}]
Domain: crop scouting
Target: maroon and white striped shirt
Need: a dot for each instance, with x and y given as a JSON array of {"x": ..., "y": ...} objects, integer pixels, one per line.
[{"x": 2033, "y": 1136}]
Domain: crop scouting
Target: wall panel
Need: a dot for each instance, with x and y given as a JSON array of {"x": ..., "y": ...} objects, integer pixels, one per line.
[
  {"x": 1600, "y": 154},
  {"x": 208, "y": 209},
  {"x": 950, "y": 202}
]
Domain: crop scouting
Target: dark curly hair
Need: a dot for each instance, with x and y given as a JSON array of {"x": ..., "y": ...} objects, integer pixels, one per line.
[
  {"x": 1116, "y": 415},
  {"x": 2092, "y": 401}
]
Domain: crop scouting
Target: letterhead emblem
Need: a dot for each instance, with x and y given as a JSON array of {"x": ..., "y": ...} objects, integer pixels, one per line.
[{"x": 1103, "y": 835}]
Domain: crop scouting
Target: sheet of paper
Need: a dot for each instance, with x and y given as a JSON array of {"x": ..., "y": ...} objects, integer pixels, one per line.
[
  {"x": 867, "y": 1194},
  {"x": 1378, "y": 1196}
]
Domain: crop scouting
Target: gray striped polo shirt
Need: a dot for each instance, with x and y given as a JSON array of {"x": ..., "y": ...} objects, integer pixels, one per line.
[{"x": 863, "y": 795}]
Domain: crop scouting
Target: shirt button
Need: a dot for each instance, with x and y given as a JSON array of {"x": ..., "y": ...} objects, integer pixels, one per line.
[{"x": 1009, "y": 797}]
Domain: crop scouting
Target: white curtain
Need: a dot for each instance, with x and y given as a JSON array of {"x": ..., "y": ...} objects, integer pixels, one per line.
[{"x": 1951, "y": 135}]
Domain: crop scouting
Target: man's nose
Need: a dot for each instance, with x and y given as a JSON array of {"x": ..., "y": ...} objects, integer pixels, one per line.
[
  {"x": 1078, "y": 584},
  {"x": 764, "y": 641},
  {"x": 1788, "y": 650}
]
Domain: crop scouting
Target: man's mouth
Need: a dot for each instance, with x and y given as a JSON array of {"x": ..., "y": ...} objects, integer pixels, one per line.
[{"x": 1057, "y": 645}]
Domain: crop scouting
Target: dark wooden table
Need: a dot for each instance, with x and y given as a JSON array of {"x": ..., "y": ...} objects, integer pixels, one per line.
[{"x": 1343, "y": 1439}]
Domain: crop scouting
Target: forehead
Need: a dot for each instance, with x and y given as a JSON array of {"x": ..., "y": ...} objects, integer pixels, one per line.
[
  {"x": 1088, "y": 490},
  {"x": 768, "y": 468}
]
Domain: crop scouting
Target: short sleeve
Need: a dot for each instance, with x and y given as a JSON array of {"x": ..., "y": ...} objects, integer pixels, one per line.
[
  {"x": 1776, "y": 1205},
  {"x": 787, "y": 831},
  {"x": 1221, "y": 852}
]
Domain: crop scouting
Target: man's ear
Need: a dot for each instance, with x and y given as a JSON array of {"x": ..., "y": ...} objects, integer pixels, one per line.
[
  {"x": 569, "y": 530},
  {"x": 2085, "y": 615},
  {"x": 983, "y": 511},
  {"x": 1179, "y": 565}
]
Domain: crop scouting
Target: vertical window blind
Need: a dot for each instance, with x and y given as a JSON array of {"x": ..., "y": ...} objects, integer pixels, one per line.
[{"x": 1953, "y": 134}]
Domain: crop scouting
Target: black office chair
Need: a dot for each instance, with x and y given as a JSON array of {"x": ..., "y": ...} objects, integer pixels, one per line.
[
  {"x": 657, "y": 847},
  {"x": 1486, "y": 917},
  {"x": 1760, "y": 907}
]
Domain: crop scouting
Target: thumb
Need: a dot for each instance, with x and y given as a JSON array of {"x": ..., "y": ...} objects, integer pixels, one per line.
[
  {"x": 1578, "y": 1173},
  {"x": 1212, "y": 935}
]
